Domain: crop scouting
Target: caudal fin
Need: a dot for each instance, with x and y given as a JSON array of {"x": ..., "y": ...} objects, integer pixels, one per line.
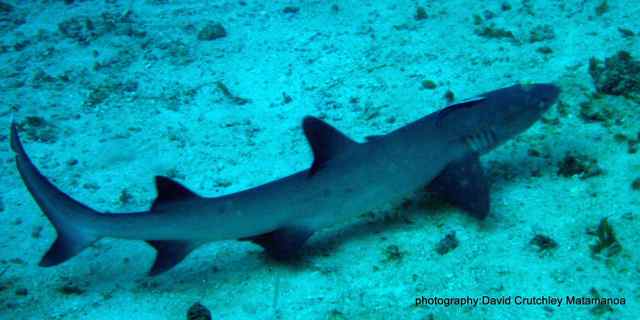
[{"x": 71, "y": 219}]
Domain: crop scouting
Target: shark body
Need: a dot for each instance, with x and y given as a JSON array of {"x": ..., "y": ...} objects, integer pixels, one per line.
[{"x": 346, "y": 179}]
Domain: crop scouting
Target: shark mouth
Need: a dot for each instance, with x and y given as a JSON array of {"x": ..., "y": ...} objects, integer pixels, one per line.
[{"x": 481, "y": 141}]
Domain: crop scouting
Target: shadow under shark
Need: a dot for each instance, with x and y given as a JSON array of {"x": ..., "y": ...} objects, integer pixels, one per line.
[{"x": 346, "y": 179}]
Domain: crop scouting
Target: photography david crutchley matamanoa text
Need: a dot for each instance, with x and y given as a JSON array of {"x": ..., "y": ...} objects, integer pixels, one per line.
[{"x": 517, "y": 300}]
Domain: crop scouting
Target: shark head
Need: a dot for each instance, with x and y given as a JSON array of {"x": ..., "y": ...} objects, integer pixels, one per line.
[
  {"x": 490, "y": 119},
  {"x": 518, "y": 107}
]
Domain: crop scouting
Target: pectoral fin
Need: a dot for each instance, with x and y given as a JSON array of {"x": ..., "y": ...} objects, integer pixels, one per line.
[
  {"x": 169, "y": 254},
  {"x": 282, "y": 244},
  {"x": 464, "y": 184}
]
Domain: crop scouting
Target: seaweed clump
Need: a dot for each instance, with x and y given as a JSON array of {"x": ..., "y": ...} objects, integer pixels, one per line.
[
  {"x": 392, "y": 253},
  {"x": 493, "y": 32},
  {"x": 38, "y": 129},
  {"x": 618, "y": 75},
  {"x": 544, "y": 243},
  {"x": 606, "y": 241},
  {"x": 595, "y": 110}
]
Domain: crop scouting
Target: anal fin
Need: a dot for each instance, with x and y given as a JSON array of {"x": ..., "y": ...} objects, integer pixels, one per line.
[
  {"x": 282, "y": 244},
  {"x": 169, "y": 254},
  {"x": 464, "y": 184}
]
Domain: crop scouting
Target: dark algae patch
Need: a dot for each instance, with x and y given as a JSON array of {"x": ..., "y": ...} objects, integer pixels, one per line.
[{"x": 578, "y": 164}]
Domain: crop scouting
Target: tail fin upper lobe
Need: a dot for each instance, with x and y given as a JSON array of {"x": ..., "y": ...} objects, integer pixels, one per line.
[{"x": 71, "y": 219}]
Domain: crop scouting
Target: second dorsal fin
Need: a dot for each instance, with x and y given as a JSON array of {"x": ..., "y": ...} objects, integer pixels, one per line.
[
  {"x": 325, "y": 140},
  {"x": 170, "y": 191}
]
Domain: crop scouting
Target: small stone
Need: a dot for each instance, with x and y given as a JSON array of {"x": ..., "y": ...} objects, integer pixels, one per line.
[
  {"x": 448, "y": 243},
  {"x": 212, "y": 31},
  {"x": 428, "y": 84},
  {"x": 286, "y": 99},
  {"x": 22, "y": 292},
  {"x": 36, "y": 232},
  {"x": 449, "y": 96},
  {"x": 545, "y": 50},
  {"x": 198, "y": 312},
  {"x": 290, "y": 9},
  {"x": 222, "y": 183},
  {"x": 421, "y": 13},
  {"x": 71, "y": 288}
]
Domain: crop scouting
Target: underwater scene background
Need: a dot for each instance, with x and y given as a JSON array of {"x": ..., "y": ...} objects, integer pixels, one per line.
[{"x": 107, "y": 94}]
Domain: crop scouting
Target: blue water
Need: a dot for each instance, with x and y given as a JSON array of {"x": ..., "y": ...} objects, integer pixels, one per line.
[{"x": 108, "y": 94}]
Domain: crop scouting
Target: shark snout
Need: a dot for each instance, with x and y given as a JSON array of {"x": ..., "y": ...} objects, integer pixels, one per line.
[{"x": 547, "y": 94}]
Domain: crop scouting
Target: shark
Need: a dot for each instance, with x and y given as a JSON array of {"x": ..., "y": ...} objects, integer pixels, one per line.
[{"x": 439, "y": 152}]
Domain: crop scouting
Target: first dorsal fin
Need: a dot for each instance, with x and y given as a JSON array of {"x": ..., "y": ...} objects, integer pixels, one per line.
[
  {"x": 325, "y": 140},
  {"x": 468, "y": 103},
  {"x": 170, "y": 191}
]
